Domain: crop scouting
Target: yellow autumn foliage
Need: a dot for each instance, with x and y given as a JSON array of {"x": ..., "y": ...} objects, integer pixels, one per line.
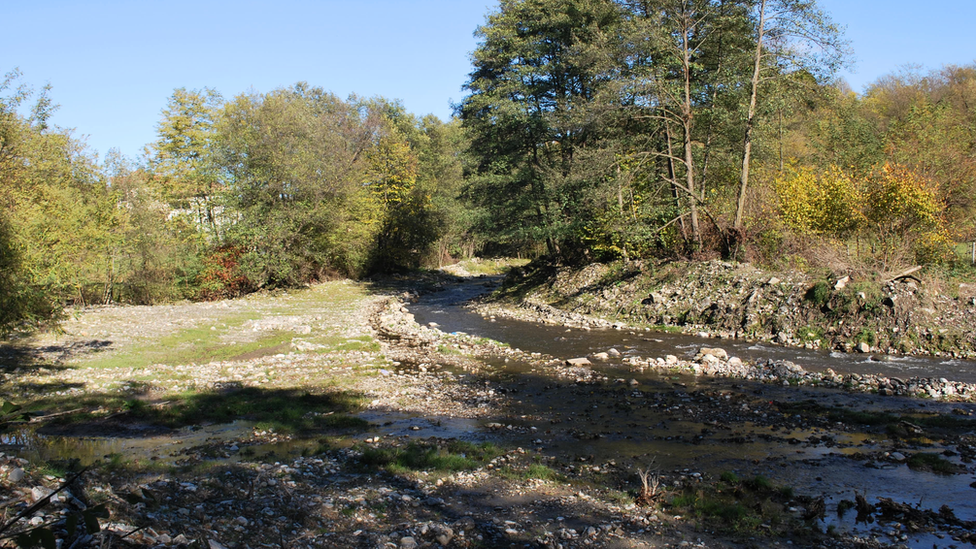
[
  {"x": 826, "y": 203},
  {"x": 894, "y": 207}
]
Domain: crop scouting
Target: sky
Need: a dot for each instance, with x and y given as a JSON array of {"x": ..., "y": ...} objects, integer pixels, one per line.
[{"x": 113, "y": 64}]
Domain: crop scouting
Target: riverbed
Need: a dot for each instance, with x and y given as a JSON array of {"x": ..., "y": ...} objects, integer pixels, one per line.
[{"x": 683, "y": 423}]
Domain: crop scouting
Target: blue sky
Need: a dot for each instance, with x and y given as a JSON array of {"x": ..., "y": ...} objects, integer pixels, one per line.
[{"x": 113, "y": 64}]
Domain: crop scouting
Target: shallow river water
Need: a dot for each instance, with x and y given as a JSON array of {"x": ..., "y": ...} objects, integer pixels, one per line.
[{"x": 664, "y": 420}]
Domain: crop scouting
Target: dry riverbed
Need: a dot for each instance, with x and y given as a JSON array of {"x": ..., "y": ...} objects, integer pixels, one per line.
[{"x": 327, "y": 417}]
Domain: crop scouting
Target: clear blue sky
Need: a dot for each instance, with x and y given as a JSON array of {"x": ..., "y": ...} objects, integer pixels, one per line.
[{"x": 113, "y": 64}]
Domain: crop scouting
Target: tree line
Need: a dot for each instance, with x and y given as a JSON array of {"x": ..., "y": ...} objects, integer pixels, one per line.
[
  {"x": 636, "y": 128},
  {"x": 261, "y": 191},
  {"x": 591, "y": 130}
]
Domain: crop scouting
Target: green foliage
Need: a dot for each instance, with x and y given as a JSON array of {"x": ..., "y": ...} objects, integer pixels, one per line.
[
  {"x": 820, "y": 293},
  {"x": 932, "y": 462},
  {"x": 421, "y": 456}
]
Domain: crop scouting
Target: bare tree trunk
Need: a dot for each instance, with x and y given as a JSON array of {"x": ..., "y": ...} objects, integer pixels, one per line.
[
  {"x": 747, "y": 149},
  {"x": 686, "y": 118}
]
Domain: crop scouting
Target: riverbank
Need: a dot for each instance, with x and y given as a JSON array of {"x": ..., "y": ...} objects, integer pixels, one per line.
[
  {"x": 890, "y": 315},
  {"x": 329, "y": 418}
]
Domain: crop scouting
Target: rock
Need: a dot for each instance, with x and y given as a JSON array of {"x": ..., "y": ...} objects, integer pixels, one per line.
[
  {"x": 863, "y": 347},
  {"x": 407, "y": 542},
  {"x": 716, "y": 352},
  {"x": 897, "y": 456},
  {"x": 16, "y": 475},
  {"x": 633, "y": 383},
  {"x": 773, "y": 281},
  {"x": 842, "y": 283},
  {"x": 40, "y": 492},
  {"x": 581, "y": 361},
  {"x": 600, "y": 356},
  {"x": 613, "y": 352},
  {"x": 214, "y": 544}
]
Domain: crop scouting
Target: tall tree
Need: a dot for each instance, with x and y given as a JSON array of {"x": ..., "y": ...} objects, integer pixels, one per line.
[
  {"x": 528, "y": 115},
  {"x": 790, "y": 36},
  {"x": 296, "y": 160},
  {"x": 183, "y": 153}
]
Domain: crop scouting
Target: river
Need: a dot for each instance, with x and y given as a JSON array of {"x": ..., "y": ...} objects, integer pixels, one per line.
[{"x": 674, "y": 423}]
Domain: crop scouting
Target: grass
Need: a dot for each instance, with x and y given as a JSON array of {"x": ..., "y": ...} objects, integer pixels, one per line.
[
  {"x": 490, "y": 267},
  {"x": 426, "y": 456},
  {"x": 752, "y": 506},
  {"x": 932, "y": 462},
  {"x": 284, "y": 410},
  {"x": 535, "y": 471}
]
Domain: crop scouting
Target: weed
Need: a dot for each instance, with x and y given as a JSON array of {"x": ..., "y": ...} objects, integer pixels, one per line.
[
  {"x": 418, "y": 456},
  {"x": 819, "y": 293},
  {"x": 810, "y": 334},
  {"x": 729, "y": 477},
  {"x": 650, "y": 487},
  {"x": 844, "y": 506},
  {"x": 760, "y": 483},
  {"x": 932, "y": 462}
]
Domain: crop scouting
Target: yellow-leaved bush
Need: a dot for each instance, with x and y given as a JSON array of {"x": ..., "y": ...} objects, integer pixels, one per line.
[
  {"x": 894, "y": 207},
  {"x": 826, "y": 203}
]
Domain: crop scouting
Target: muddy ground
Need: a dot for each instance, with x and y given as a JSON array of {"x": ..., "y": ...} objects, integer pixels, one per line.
[{"x": 328, "y": 418}]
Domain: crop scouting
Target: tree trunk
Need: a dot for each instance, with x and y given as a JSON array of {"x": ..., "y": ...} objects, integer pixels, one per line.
[
  {"x": 686, "y": 119},
  {"x": 747, "y": 148}
]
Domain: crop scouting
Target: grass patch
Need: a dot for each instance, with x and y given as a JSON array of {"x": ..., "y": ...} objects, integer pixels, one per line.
[
  {"x": 535, "y": 471},
  {"x": 199, "y": 345},
  {"x": 932, "y": 462},
  {"x": 425, "y": 456},
  {"x": 284, "y": 410},
  {"x": 753, "y": 506}
]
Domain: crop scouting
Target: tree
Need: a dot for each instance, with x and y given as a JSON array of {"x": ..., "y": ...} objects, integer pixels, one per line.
[
  {"x": 790, "y": 36},
  {"x": 183, "y": 158},
  {"x": 528, "y": 117},
  {"x": 296, "y": 160}
]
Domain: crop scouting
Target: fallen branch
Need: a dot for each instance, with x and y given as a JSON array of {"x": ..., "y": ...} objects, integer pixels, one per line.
[{"x": 906, "y": 274}]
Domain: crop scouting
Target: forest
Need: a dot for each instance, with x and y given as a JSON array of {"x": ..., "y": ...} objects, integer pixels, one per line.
[{"x": 591, "y": 130}]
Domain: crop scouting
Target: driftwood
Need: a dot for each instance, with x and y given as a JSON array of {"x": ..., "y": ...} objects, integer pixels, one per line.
[{"x": 908, "y": 273}]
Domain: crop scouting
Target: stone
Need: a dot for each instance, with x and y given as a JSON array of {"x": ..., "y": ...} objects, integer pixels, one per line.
[
  {"x": 613, "y": 352},
  {"x": 842, "y": 283},
  {"x": 581, "y": 361},
  {"x": 16, "y": 475},
  {"x": 407, "y": 542},
  {"x": 40, "y": 492},
  {"x": 897, "y": 456},
  {"x": 863, "y": 347},
  {"x": 716, "y": 352},
  {"x": 600, "y": 356}
]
